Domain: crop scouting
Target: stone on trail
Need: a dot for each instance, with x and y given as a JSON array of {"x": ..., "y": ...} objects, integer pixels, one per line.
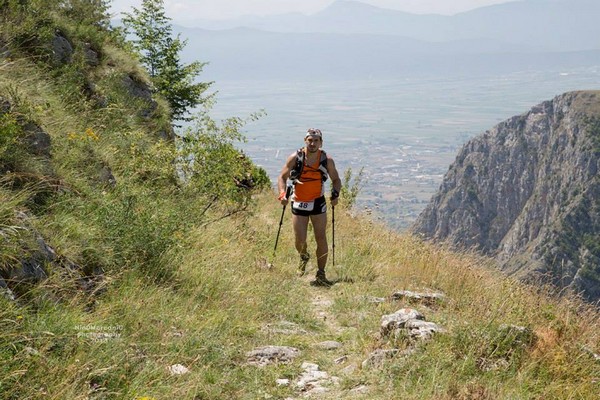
[
  {"x": 377, "y": 357},
  {"x": 313, "y": 381},
  {"x": 271, "y": 354},
  {"x": 341, "y": 359},
  {"x": 397, "y": 320},
  {"x": 422, "y": 330},
  {"x": 263, "y": 263},
  {"x": 361, "y": 389},
  {"x": 424, "y": 298},
  {"x": 376, "y": 300},
  {"x": 284, "y": 328},
  {"x": 178, "y": 369},
  {"x": 410, "y": 322},
  {"x": 329, "y": 345}
]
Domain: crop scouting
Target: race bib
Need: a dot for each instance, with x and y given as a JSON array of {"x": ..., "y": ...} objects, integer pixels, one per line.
[{"x": 303, "y": 205}]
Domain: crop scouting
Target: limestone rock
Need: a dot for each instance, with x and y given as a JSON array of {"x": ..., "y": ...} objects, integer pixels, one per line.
[
  {"x": 329, "y": 345},
  {"x": 142, "y": 91},
  {"x": 62, "y": 49},
  {"x": 516, "y": 335},
  {"x": 377, "y": 357},
  {"x": 37, "y": 258},
  {"x": 39, "y": 140},
  {"x": 4, "y": 50},
  {"x": 591, "y": 353},
  {"x": 419, "y": 297},
  {"x": 341, "y": 360},
  {"x": 178, "y": 369},
  {"x": 5, "y": 105},
  {"x": 361, "y": 389},
  {"x": 92, "y": 58},
  {"x": 5, "y": 291},
  {"x": 527, "y": 193},
  {"x": 398, "y": 319},
  {"x": 30, "y": 351},
  {"x": 421, "y": 330},
  {"x": 106, "y": 176},
  {"x": 284, "y": 328},
  {"x": 376, "y": 300},
  {"x": 271, "y": 354},
  {"x": 313, "y": 381}
]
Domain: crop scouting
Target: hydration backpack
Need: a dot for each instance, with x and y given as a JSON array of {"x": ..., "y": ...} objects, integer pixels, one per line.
[{"x": 296, "y": 172}]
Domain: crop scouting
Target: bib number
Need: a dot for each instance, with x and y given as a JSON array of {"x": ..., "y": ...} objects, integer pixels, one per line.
[{"x": 303, "y": 205}]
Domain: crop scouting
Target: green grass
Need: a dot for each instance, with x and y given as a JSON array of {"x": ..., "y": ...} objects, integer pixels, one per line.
[{"x": 219, "y": 299}]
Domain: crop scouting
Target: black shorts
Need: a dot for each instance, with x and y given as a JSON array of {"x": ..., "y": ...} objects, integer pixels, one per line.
[{"x": 315, "y": 207}]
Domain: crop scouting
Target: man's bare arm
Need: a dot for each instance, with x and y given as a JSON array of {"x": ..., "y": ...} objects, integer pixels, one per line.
[
  {"x": 336, "y": 182},
  {"x": 284, "y": 175}
]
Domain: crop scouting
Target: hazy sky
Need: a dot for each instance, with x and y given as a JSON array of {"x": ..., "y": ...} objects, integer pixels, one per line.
[{"x": 187, "y": 10}]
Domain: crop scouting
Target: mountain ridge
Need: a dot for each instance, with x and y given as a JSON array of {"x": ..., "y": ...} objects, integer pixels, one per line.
[
  {"x": 526, "y": 193},
  {"x": 545, "y": 25},
  {"x": 248, "y": 53},
  {"x": 379, "y": 43}
]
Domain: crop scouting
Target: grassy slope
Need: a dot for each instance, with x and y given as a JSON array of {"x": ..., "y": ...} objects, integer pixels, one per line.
[
  {"x": 217, "y": 306},
  {"x": 179, "y": 290}
]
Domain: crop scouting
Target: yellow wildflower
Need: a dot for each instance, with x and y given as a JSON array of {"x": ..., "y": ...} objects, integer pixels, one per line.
[{"x": 91, "y": 134}]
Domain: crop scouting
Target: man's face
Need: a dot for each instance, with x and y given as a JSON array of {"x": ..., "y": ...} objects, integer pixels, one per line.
[{"x": 313, "y": 143}]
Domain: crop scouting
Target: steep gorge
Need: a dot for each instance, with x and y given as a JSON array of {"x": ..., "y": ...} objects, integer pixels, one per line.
[{"x": 527, "y": 192}]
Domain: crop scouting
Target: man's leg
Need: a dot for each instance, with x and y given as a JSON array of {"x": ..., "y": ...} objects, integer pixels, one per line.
[
  {"x": 320, "y": 227},
  {"x": 300, "y": 224},
  {"x": 319, "y": 223}
]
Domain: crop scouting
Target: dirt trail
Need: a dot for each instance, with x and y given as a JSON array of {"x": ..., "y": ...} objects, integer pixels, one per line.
[{"x": 325, "y": 383}]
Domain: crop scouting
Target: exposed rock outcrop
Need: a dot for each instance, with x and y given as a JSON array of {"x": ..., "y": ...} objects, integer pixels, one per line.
[
  {"x": 62, "y": 49},
  {"x": 37, "y": 259},
  {"x": 140, "y": 90},
  {"x": 527, "y": 192}
]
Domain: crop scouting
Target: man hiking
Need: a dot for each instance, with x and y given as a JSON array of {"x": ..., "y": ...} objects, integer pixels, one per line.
[{"x": 308, "y": 169}]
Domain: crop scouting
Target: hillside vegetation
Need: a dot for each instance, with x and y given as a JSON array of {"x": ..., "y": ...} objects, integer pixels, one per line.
[{"x": 117, "y": 268}]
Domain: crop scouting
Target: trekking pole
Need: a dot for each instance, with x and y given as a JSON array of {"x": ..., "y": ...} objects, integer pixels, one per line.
[
  {"x": 279, "y": 230},
  {"x": 333, "y": 232},
  {"x": 287, "y": 195}
]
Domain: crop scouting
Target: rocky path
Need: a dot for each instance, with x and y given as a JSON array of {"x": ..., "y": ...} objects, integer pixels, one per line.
[
  {"x": 316, "y": 381},
  {"x": 329, "y": 370}
]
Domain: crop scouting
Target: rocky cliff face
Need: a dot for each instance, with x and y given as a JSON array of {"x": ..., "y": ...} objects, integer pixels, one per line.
[{"x": 527, "y": 192}]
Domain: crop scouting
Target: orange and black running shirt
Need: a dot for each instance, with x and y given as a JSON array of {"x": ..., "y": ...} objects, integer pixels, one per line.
[{"x": 310, "y": 184}]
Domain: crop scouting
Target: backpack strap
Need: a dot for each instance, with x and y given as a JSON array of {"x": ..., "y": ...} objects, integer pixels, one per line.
[
  {"x": 296, "y": 172},
  {"x": 323, "y": 166}
]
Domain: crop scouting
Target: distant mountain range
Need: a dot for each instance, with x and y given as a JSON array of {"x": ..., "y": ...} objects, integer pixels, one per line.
[
  {"x": 542, "y": 25},
  {"x": 251, "y": 54},
  {"x": 351, "y": 40}
]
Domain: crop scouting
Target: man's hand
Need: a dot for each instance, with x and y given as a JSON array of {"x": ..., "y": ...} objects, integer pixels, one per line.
[
  {"x": 334, "y": 197},
  {"x": 284, "y": 195},
  {"x": 283, "y": 198}
]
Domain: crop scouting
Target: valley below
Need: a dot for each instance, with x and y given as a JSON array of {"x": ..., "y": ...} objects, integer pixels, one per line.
[{"x": 402, "y": 133}]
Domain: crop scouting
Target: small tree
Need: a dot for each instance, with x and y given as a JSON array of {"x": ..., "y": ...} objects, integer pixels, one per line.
[{"x": 160, "y": 53}]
